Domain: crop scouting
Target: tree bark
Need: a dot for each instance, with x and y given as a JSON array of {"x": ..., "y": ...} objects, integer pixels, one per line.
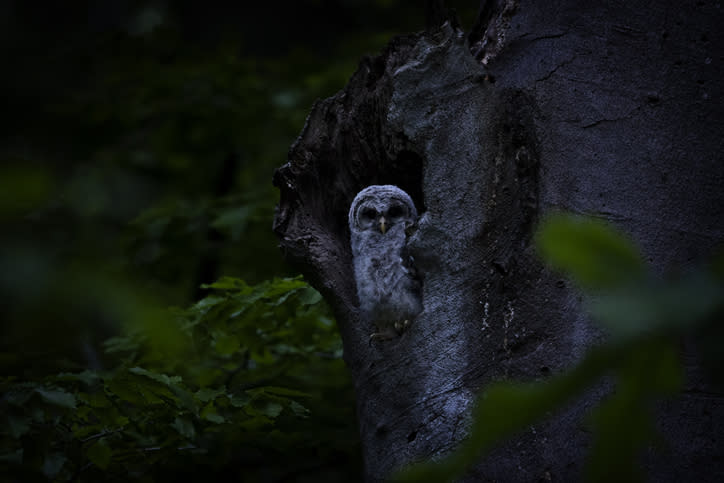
[{"x": 612, "y": 111}]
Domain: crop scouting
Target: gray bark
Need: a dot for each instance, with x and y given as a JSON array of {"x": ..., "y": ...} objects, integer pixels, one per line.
[{"x": 613, "y": 111}]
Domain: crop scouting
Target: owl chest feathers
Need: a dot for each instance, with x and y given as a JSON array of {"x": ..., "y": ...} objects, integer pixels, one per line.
[{"x": 386, "y": 286}]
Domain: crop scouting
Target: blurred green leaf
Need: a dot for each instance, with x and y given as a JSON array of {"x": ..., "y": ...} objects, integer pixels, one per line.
[
  {"x": 284, "y": 391},
  {"x": 235, "y": 220},
  {"x": 208, "y": 394},
  {"x": 23, "y": 188},
  {"x": 19, "y": 394},
  {"x": 209, "y": 413},
  {"x": 309, "y": 296},
  {"x": 18, "y": 425},
  {"x": 299, "y": 410},
  {"x": 87, "y": 377},
  {"x": 272, "y": 409},
  {"x": 57, "y": 397},
  {"x": 15, "y": 457},
  {"x": 184, "y": 427},
  {"x": 53, "y": 463},
  {"x": 649, "y": 370},
  {"x": 655, "y": 306},
  {"x": 226, "y": 283},
  {"x": 592, "y": 253},
  {"x": 100, "y": 454},
  {"x": 226, "y": 344},
  {"x": 162, "y": 378},
  {"x": 239, "y": 401}
]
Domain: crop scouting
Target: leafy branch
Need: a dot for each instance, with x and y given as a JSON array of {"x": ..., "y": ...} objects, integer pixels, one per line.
[{"x": 235, "y": 380}]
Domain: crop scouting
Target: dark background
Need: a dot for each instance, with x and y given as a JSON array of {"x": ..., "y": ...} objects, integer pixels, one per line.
[
  {"x": 138, "y": 140},
  {"x": 137, "y": 145}
]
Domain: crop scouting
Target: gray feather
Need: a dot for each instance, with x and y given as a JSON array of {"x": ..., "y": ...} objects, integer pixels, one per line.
[{"x": 388, "y": 287}]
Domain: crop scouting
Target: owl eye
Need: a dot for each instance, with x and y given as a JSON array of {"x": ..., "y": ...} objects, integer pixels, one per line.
[
  {"x": 396, "y": 211},
  {"x": 368, "y": 214}
]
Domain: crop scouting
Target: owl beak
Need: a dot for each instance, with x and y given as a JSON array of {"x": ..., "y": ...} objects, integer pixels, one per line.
[{"x": 383, "y": 226}]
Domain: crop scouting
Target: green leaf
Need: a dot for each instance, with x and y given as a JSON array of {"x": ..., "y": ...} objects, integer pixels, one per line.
[
  {"x": 57, "y": 397},
  {"x": 309, "y": 296},
  {"x": 206, "y": 303},
  {"x": 272, "y": 409},
  {"x": 122, "y": 387},
  {"x": 234, "y": 219},
  {"x": 299, "y": 410},
  {"x": 226, "y": 344},
  {"x": 650, "y": 370},
  {"x": 96, "y": 400},
  {"x": 22, "y": 188},
  {"x": 593, "y": 253},
  {"x": 86, "y": 377},
  {"x": 99, "y": 454},
  {"x": 19, "y": 394},
  {"x": 53, "y": 463},
  {"x": 209, "y": 413},
  {"x": 214, "y": 418},
  {"x": 208, "y": 394},
  {"x": 162, "y": 378},
  {"x": 18, "y": 425},
  {"x": 120, "y": 344},
  {"x": 284, "y": 391},
  {"x": 256, "y": 423},
  {"x": 227, "y": 283},
  {"x": 15, "y": 457},
  {"x": 239, "y": 400},
  {"x": 184, "y": 427},
  {"x": 658, "y": 306},
  {"x": 281, "y": 287}
]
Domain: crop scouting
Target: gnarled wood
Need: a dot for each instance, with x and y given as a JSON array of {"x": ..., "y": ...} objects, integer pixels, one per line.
[{"x": 582, "y": 108}]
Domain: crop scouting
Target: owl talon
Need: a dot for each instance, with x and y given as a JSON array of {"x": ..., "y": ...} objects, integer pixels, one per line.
[
  {"x": 384, "y": 335},
  {"x": 400, "y": 327}
]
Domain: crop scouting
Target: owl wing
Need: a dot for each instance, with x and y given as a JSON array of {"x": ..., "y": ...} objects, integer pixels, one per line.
[{"x": 407, "y": 259}]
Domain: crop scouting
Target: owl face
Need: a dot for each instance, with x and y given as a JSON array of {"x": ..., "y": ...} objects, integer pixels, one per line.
[{"x": 381, "y": 207}]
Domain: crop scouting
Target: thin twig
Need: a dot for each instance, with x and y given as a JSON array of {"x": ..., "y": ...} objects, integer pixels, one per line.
[{"x": 101, "y": 434}]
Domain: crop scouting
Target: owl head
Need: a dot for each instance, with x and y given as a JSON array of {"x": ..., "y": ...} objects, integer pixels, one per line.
[{"x": 379, "y": 208}]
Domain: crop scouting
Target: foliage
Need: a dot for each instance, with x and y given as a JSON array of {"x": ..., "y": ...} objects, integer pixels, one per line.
[
  {"x": 137, "y": 147},
  {"x": 136, "y": 153},
  {"x": 645, "y": 318},
  {"x": 254, "y": 372}
]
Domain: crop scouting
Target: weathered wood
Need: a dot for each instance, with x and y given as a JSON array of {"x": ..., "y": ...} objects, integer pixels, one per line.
[{"x": 609, "y": 110}]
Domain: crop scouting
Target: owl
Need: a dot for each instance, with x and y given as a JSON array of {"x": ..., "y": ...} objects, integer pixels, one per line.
[{"x": 387, "y": 284}]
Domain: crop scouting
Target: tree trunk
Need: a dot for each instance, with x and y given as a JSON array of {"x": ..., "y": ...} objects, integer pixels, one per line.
[{"x": 613, "y": 111}]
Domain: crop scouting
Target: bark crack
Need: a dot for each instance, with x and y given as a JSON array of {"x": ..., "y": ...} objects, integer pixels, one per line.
[
  {"x": 543, "y": 37},
  {"x": 597, "y": 122},
  {"x": 555, "y": 69}
]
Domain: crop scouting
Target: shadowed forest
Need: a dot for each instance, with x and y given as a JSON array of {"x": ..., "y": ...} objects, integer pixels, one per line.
[
  {"x": 138, "y": 145},
  {"x": 151, "y": 329}
]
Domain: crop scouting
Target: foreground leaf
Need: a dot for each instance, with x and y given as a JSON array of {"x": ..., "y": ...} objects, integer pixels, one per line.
[
  {"x": 99, "y": 454},
  {"x": 57, "y": 397},
  {"x": 590, "y": 251}
]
